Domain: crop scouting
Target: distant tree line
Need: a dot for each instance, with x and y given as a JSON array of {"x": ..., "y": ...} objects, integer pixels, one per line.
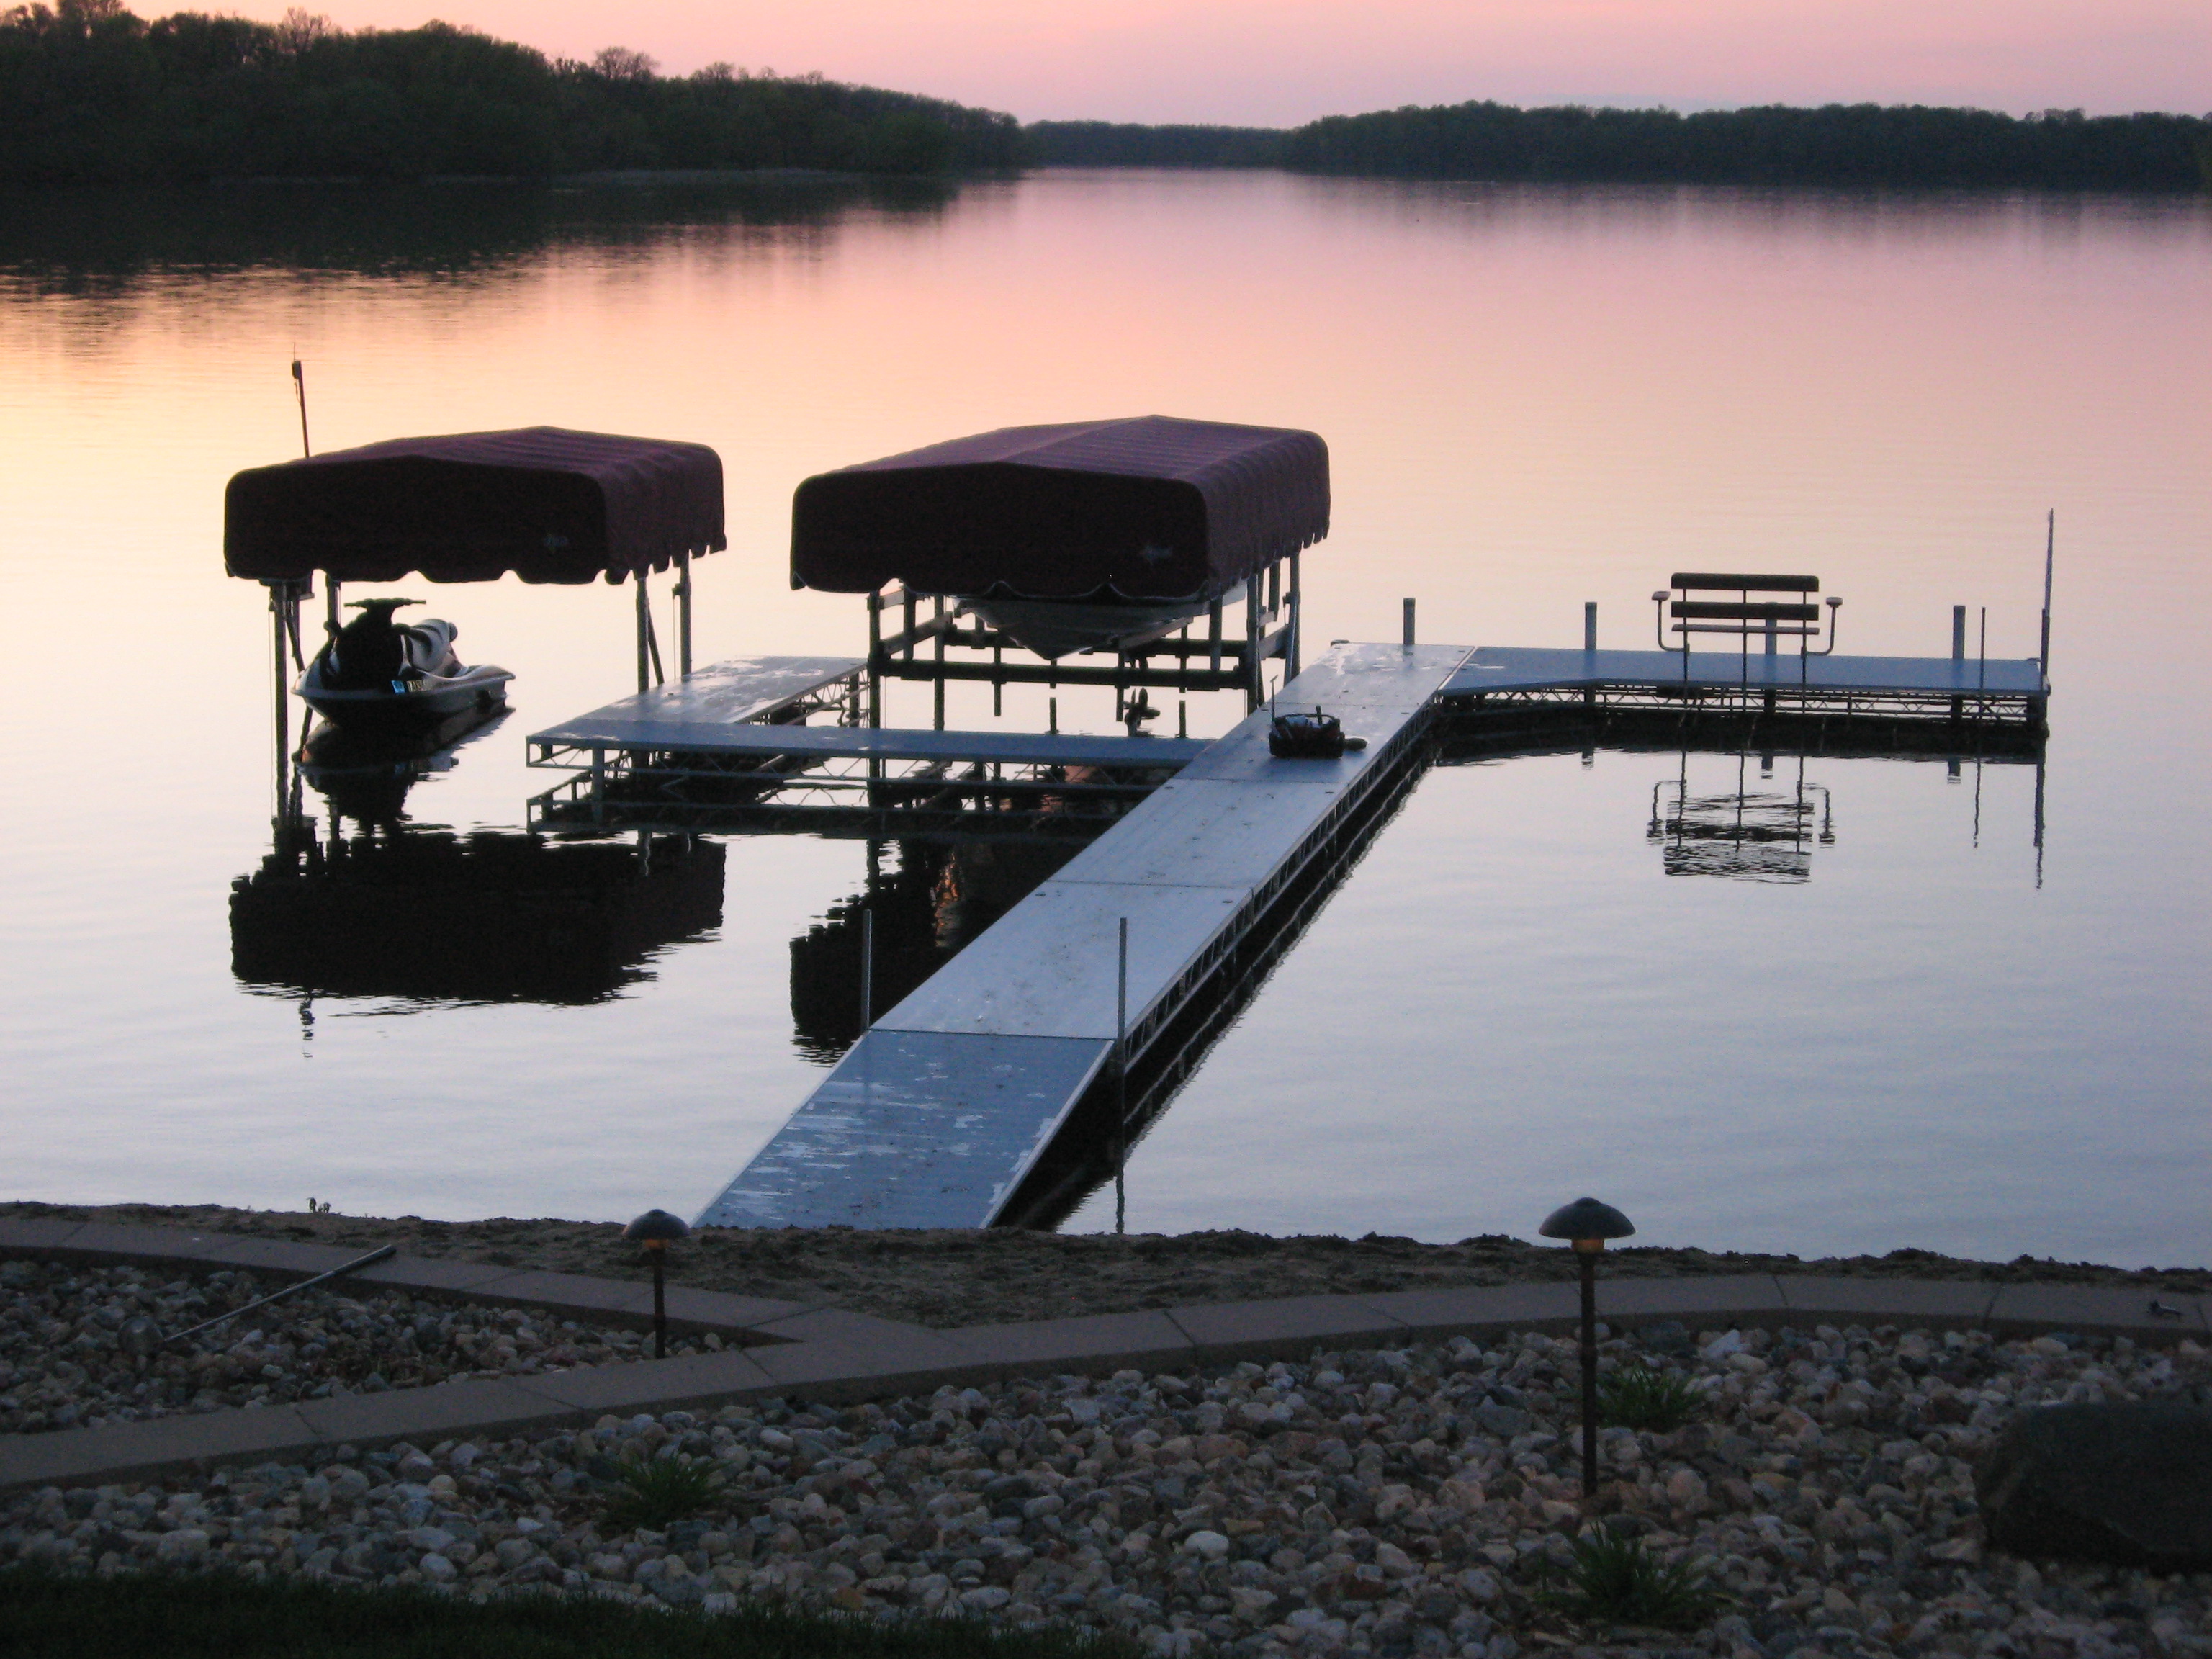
[
  {"x": 90, "y": 93},
  {"x": 1115, "y": 144},
  {"x": 1853, "y": 144},
  {"x": 1839, "y": 144}
]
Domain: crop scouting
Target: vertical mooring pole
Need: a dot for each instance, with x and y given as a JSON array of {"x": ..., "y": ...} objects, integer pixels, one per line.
[
  {"x": 644, "y": 627},
  {"x": 1122, "y": 1079},
  {"x": 1589, "y": 624},
  {"x": 937, "y": 619},
  {"x": 1297, "y": 621},
  {"x": 684, "y": 614},
  {"x": 867, "y": 969},
  {"x": 282, "y": 711},
  {"x": 1958, "y": 655},
  {"x": 1255, "y": 629},
  {"x": 2050, "y": 547},
  {"x": 875, "y": 662},
  {"x": 1409, "y": 640}
]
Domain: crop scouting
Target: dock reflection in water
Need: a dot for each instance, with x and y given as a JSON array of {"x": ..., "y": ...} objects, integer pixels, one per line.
[
  {"x": 933, "y": 899},
  {"x": 419, "y": 913}
]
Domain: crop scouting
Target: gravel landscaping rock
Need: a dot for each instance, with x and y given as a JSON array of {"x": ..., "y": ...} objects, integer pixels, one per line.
[
  {"x": 970, "y": 1278},
  {"x": 65, "y": 1358},
  {"x": 1364, "y": 1502}
]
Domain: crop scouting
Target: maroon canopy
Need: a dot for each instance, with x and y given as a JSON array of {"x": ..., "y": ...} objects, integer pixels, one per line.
[
  {"x": 1149, "y": 508},
  {"x": 548, "y": 505}
]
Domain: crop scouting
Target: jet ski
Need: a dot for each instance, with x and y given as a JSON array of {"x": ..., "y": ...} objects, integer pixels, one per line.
[{"x": 374, "y": 678}]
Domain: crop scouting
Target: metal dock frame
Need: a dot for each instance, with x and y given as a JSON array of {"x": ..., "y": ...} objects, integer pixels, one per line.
[{"x": 1272, "y": 601}]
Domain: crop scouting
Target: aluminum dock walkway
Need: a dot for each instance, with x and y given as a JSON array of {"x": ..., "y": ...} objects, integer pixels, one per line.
[
  {"x": 1847, "y": 684},
  {"x": 934, "y": 1116}
]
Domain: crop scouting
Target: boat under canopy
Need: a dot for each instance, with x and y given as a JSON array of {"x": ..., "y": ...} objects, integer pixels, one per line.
[
  {"x": 1150, "y": 509},
  {"x": 548, "y": 505}
]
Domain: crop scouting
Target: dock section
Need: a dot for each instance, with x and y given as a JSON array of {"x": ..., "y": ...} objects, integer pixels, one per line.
[
  {"x": 934, "y": 1116},
  {"x": 1845, "y": 686},
  {"x": 728, "y": 751}
]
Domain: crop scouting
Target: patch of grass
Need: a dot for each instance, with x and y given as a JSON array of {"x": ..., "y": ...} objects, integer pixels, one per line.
[
  {"x": 1613, "y": 1580},
  {"x": 1637, "y": 1397},
  {"x": 223, "y": 1615},
  {"x": 654, "y": 1492}
]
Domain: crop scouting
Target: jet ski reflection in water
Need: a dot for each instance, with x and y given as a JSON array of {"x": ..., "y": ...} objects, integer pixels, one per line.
[{"x": 374, "y": 678}]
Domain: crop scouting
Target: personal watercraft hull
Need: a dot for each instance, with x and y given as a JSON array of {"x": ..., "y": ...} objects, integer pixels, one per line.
[
  {"x": 406, "y": 706},
  {"x": 1059, "y": 628}
]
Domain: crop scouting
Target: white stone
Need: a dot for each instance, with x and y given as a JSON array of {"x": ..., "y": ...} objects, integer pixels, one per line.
[{"x": 1211, "y": 1545}]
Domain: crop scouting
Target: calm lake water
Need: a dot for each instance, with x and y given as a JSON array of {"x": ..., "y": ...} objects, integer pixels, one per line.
[{"x": 1534, "y": 398}]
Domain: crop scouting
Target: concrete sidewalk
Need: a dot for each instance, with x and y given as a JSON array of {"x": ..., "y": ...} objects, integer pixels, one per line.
[{"x": 804, "y": 1353}]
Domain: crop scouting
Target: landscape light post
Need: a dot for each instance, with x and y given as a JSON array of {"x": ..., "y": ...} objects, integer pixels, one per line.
[
  {"x": 656, "y": 1229},
  {"x": 1587, "y": 1224}
]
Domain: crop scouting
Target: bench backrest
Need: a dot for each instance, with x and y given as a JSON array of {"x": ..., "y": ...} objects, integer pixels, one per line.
[{"x": 1744, "y": 615}]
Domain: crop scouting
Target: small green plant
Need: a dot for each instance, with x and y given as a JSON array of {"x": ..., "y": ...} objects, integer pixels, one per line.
[
  {"x": 1615, "y": 1580},
  {"x": 1637, "y": 1397},
  {"x": 653, "y": 1491}
]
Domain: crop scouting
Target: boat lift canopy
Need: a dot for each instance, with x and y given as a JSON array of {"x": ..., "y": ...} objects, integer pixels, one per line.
[
  {"x": 1144, "y": 508},
  {"x": 548, "y": 505}
]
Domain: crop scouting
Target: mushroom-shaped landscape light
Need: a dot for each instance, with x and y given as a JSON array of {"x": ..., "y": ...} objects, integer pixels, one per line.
[
  {"x": 656, "y": 1229},
  {"x": 140, "y": 1338},
  {"x": 1586, "y": 1225}
]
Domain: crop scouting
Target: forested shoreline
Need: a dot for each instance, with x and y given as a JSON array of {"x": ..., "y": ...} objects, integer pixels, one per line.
[
  {"x": 92, "y": 94},
  {"x": 1854, "y": 145}
]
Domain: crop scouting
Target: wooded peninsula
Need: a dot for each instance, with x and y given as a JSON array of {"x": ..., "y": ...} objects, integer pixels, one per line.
[
  {"x": 1853, "y": 145},
  {"x": 92, "y": 94}
]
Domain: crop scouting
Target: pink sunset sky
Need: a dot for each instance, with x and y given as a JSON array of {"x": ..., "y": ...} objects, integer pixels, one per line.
[{"x": 1280, "y": 61}]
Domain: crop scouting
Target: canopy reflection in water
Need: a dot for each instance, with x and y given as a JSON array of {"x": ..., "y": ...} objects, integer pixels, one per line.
[{"x": 426, "y": 915}]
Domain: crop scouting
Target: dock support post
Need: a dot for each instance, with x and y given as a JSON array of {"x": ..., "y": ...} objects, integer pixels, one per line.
[
  {"x": 1122, "y": 1081},
  {"x": 867, "y": 968},
  {"x": 684, "y": 614},
  {"x": 2050, "y": 547},
  {"x": 329, "y": 603},
  {"x": 875, "y": 659},
  {"x": 1297, "y": 621},
  {"x": 644, "y": 629},
  {"x": 1958, "y": 654},
  {"x": 279, "y": 597},
  {"x": 937, "y": 614},
  {"x": 1254, "y": 628},
  {"x": 1409, "y": 625},
  {"x": 1213, "y": 635},
  {"x": 1589, "y": 645}
]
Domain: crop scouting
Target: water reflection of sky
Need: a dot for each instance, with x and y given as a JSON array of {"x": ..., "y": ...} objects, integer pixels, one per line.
[{"x": 1532, "y": 398}]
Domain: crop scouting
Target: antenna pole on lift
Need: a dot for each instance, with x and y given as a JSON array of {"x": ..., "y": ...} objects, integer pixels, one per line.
[
  {"x": 300, "y": 385},
  {"x": 2050, "y": 548}
]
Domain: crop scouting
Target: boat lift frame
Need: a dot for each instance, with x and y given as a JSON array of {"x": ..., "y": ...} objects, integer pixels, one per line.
[{"x": 1271, "y": 607}]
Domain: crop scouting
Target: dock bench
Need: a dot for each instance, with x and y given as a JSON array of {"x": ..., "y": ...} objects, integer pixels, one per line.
[{"x": 1744, "y": 618}]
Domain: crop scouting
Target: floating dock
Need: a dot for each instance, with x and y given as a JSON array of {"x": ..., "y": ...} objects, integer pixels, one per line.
[
  {"x": 934, "y": 1116},
  {"x": 2011, "y": 687}
]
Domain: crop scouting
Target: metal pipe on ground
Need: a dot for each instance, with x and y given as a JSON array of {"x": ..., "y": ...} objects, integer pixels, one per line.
[{"x": 358, "y": 1263}]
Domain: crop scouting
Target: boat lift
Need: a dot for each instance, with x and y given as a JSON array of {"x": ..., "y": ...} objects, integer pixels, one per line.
[{"x": 544, "y": 503}]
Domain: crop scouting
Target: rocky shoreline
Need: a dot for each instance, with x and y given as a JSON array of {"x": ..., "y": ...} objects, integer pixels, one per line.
[
  {"x": 956, "y": 1278},
  {"x": 69, "y": 1360},
  {"x": 1409, "y": 1503}
]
